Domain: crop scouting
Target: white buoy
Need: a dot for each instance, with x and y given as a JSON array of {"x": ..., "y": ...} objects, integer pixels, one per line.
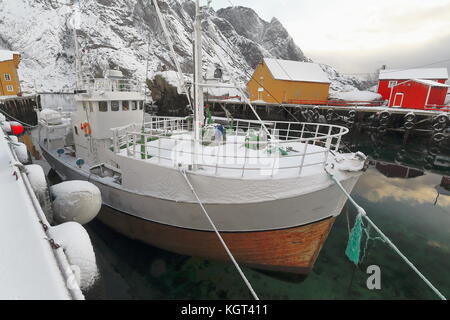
[
  {"x": 38, "y": 182},
  {"x": 77, "y": 246},
  {"x": 6, "y": 126},
  {"x": 78, "y": 201},
  {"x": 22, "y": 152}
]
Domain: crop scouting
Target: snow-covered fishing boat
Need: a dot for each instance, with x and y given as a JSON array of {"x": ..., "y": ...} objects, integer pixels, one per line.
[
  {"x": 45, "y": 254},
  {"x": 263, "y": 183}
]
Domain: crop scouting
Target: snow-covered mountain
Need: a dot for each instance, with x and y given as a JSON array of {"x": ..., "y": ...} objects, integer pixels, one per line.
[{"x": 124, "y": 33}]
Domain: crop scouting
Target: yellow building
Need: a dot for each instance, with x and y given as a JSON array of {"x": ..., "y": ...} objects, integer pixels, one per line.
[
  {"x": 285, "y": 81},
  {"x": 9, "y": 80}
]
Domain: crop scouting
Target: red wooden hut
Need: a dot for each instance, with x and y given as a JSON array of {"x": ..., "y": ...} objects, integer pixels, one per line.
[
  {"x": 418, "y": 94},
  {"x": 388, "y": 79}
]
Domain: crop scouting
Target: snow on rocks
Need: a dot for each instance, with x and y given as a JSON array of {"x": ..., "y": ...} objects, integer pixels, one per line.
[
  {"x": 75, "y": 241},
  {"x": 78, "y": 201},
  {"x": 356, "y": 95}
]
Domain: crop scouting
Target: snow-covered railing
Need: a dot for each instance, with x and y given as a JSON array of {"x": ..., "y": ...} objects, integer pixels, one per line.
[
  {"x": 111, "y": 85},
  {"x": 244, "y": 146},
  {"x": 338, "y": 103}
]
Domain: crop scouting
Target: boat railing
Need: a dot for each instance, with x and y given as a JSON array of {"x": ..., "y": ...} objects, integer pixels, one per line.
[
  {"x": 290, "y": 145},
  {"x": 111, "y": 85}
]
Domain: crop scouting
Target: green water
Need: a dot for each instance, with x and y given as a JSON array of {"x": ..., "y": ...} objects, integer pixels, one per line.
[{"x": 405, "y": 209}]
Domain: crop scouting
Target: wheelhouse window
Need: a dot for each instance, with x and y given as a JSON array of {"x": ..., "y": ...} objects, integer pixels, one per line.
[
  {"x": 76, "y": 130},
  {"x": 7, "y": 77},
  {"x": 91, "y": 106},
  {"x": 114, "y": 105},
  {"x": 141, "y": 105},
  {"x": 134, "y": 105},
  {"x": 392, "y": 84},
  {"x": 125, "y": 105},
  {"x": 103, "y": 106}
]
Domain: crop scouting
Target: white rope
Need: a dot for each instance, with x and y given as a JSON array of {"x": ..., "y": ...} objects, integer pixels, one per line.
[
  {"x": 220, "y": 237},
  {"x": 385, "y": 238}
]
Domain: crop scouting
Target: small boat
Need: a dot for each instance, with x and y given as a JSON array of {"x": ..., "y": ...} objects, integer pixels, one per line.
[{"x": 264, "y": 184}]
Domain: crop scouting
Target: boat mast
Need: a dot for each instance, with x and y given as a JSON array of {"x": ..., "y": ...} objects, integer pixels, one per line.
[
  {"x": 75, "y": 25},
  {"x": 199, "y": 116}
]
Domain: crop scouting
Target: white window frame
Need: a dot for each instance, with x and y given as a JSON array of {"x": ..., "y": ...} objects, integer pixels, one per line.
[
  {"x": 10, "y": 88},
  {"x": 7, "y": 77},
  {"x": 392, "y": 84}
]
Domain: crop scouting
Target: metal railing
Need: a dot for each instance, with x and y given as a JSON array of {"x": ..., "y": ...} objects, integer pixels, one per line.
[
  {"x": 244, "y": 147},
  {"x": 111, "y": 85}
]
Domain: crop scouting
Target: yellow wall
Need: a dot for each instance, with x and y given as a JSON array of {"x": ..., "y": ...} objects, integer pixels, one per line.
[
  {"x": 278, "y": 91},
  {"x": 10, "y": 67}
]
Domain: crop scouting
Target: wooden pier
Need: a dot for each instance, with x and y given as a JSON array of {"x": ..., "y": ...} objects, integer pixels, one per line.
[{"x": 20, "y": 108}]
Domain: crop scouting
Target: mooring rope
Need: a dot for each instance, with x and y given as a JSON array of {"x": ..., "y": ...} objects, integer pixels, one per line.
[
  {"x": 362, "y": 214},
  {"x": 220, "y": 237},
  {"x": 21, "y": 122}
]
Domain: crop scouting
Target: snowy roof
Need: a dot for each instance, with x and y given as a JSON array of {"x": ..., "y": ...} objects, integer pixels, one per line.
[
  {"x": 431, "y": 83},
  {"x": 6, "y": 55},
  {"x": 402, "y": 74},
  {"x": 296, "y": 71}
]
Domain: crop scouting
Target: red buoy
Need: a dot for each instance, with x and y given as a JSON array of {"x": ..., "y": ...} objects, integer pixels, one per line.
[{"x": 16, "y": 128}]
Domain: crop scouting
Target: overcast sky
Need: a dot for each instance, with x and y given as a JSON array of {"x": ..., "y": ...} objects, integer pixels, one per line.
[{"x": 358, "y": 36}]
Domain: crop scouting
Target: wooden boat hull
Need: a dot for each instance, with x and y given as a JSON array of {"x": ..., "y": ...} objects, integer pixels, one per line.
[{"x": 292, "y": 250}]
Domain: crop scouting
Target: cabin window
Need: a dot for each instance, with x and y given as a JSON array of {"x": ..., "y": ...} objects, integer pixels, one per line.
[
  {"x": 392, "y": 84},
  {"x": 134, "y": 105},
  {"x": 7, "y": 77},
  {"x": 114, "y": 105},
  {"x": 141, "y": 105},
  {"x": 9, "y": 88},
  {"x": 125, "y": 105},
  {"x": 76, "y": 130},
  {"x": 103, "y": 106}
]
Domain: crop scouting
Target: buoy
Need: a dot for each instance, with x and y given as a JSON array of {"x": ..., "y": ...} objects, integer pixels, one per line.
[
  {"x": 438, "y": 137},
  {"x": 5, "y": 126},
  {"x": 38, "y": 182},
  {"x": 22, "y": 152},
  {"x": 410, "y": 117},
  {"x": 78, "y": 201},
  {"x": 16, "y": 128},
  {"x": 77, "y": 246},
  {"x": 409, "y": 125}
]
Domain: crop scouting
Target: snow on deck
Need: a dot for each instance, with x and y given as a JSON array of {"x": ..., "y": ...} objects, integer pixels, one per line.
[
  {"x": 233, "y": 159},
  {"x": 28, "y": 267}
]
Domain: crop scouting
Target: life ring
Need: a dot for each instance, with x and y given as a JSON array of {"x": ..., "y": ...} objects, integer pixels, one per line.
[{"x": 86, "y": 127}]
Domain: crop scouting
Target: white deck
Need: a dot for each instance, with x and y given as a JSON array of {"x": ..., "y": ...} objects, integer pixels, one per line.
[
  {"x": 233, "y": 159},
  {"x": 28, "y": 267}
]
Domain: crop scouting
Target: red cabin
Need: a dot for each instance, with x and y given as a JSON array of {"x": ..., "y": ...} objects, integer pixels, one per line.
[
  {"x": 418, "y": 94},
  {"x": 390, "y": 78},
  {"x": 414, "y": 88}
]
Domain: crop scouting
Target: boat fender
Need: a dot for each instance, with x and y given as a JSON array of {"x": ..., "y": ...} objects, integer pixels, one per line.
[
  {"x": 22, "y": 152},
  {"x": 409, "y": 125},
  {"x": 352, "y": 113},
  {"x": 14, "y": 139},
  {"x": 439, "y": 126},
  {"x": 5, "y": 126},
  {"x": 410, "y": 117},
  {"x": 385, "y": 115},
  {"x": 78, "y": 201},
  {"x": 442, "y": 118},
  {"x": 76, "y": 244},
  {"x": 438, "y": 137},
  {"x": 38, "y": 182}
]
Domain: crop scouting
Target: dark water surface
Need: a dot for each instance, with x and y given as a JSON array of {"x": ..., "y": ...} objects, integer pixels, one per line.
[{"x": 408, "y": 210}]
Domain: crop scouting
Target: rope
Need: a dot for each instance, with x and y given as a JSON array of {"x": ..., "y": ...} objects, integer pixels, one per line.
[
  {"x": 220, "y": 237},
  {"x": 363, "y": 214},
  {"x": 22, "y": 123}
]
